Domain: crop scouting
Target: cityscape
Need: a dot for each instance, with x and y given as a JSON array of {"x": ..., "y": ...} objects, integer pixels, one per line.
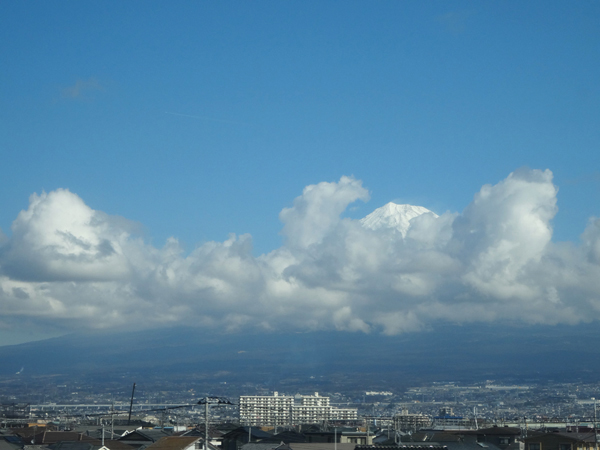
[
  {"x": 487, "y": 402},
  {"x": 448, "y": 415}
]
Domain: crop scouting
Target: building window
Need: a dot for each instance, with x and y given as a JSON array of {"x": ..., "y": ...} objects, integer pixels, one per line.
[
  {"x": 534, "y": 446},
  {"x": 564, "y": 446},
  {"x": 505, "y": 441}
]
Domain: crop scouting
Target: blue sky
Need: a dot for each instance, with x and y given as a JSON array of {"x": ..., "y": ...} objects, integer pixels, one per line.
[{"x": 199, "y": 119}]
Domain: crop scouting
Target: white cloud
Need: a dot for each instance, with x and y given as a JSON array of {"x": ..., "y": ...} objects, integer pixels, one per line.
[
  {"x": 69, "y": 265},
  {"x": 82, "y": 89},
  {"x": 60, "y": 238},
  {"x": 505, "y": 229},
  {"x": 317, "y": 211},
  {"x": 591, "y": 240}
]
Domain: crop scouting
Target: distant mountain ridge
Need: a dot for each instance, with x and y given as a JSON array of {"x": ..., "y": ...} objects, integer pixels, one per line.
[
  {"x": 394, "y": 216},
  {"x": 449, "y": 352}
]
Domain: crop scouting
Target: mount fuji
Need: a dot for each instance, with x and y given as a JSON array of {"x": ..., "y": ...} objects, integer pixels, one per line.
[{"x": 394, "y": 216}]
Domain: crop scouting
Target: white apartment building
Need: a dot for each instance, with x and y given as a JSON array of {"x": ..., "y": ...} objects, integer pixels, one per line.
[
  {"x": 274, "y": 410},
  {"x": 343, "y": 414},
  {"x": 283, "y": 410}
]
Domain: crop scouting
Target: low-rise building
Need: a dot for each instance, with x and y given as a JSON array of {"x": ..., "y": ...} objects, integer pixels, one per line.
[
  {"x": 406, "y": 422},
  {"x": 561, "y": 440}
]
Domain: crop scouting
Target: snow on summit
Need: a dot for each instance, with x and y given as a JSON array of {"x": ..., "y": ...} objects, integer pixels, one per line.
[{"x": 394, "y": 216}]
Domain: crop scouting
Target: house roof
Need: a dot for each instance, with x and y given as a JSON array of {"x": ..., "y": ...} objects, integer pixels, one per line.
[
  {"x": 97, "y": 434},
  {"x": 227, "y": 426},
  {"x": 502, "y": 431},
  {"x": 116, "y": 445},
  {"x": 13, "y": 439},
  {"x": 470, "y": 444},
  {"x": 322, "y": 446},
  {"x": 199, "y": 431},
  {"x": 260, "y": 446},
  {"x": 52, "y": 437},
  {"x": 283, "y": 446},
  {"x": 285, "y": 436},
  {"x": 145, "y": 435},
  {"x": 255, "y": 432},
  {"x": 173, "y": 443},
  {"x": 583, "y": 437},
  {"x": 408, "y": 446},
  {"x": 429, "y": 436},
  {"x": 10, "y": 442},
  {"x": 73, "y": 445},
  {"x": 91, "y": 444}
]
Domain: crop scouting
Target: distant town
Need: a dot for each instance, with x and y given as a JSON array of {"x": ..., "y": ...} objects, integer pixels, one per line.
[{"x": 443, "y": 415}]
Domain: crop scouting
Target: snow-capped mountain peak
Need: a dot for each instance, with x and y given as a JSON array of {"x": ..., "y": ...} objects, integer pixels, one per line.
[{"x": 393, "y": 216}]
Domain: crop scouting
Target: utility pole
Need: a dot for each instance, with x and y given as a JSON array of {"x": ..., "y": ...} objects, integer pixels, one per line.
[
  {"x": 131, "y": 404},
  {"x": 112, "y": 421},
  {"x": 206, "y": 424},
  {"x": 206, "y": 402},
  {"x": 595, "y": 431}
]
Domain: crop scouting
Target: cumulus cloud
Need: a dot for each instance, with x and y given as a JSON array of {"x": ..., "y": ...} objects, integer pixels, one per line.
[
  {"x": 69, "y": 265},
  {"x": 60, "y": 238},
  {"x": 505, "y": 229},
  {"x": 316, "y": 212}
]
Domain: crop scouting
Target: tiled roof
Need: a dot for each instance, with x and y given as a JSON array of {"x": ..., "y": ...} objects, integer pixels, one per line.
[
  {"x": 257, "y": 433},
  {"x": 116, "y": 445},
  {"x": 92, "y": 444},
  {"x": 144, "y": 435},
  {"x": 585, "y": 437},
  {"x": 73, "y": 445},
  {"x": 322, "y": 446},
  {"x": 408, "y": 446},
  {"x": 259, "y": 446},
  {"x": 285, "y": 436},
  {"x": 493, "y": 431},
  {"x": 52, "y": 437},
  {"x": 173, "y": 443}
]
